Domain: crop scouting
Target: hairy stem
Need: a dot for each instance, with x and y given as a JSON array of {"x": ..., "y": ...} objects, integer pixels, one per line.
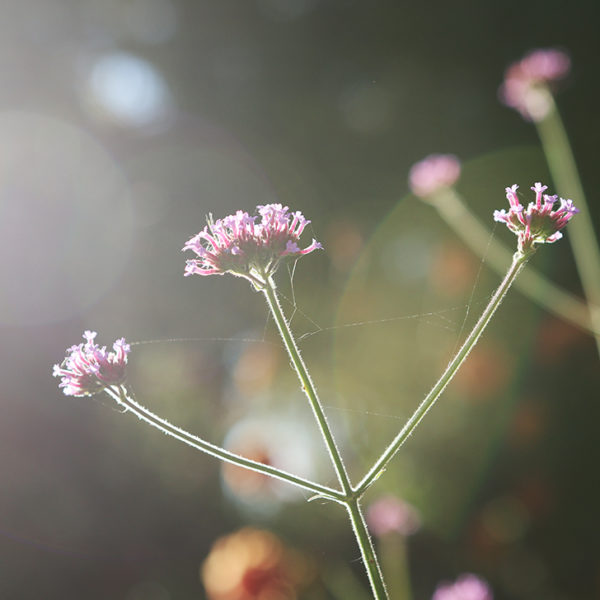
[
  {"x": 125, "y": 399},
  {"x": 350, "y": 500},
  {"x": 518, "y": 262},
  {"x": 308, "y": 386},
  {"x": 367, "y": 550}
]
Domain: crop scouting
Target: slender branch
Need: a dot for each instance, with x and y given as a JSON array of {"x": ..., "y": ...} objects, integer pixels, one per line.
[
  {"x": 123, "y": 398},
  {"x": 367, "y": 549},
  {"x": 584, "y": 243},
  {"x": 531, "y": 283},
  {"x": 518, "y": 262},
  {"x": 350, "y": 500},
  {"x": 307, "y": 385}
]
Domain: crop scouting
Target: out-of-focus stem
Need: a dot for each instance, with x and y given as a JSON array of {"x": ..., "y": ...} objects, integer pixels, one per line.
[
  {"x": 393, "y": 551},
  {"x": 125, "y": 399},
  {"x": 584, "y": 243},
  {"x": 531, "y": 283},
  {"x": 518, "y": 262}
]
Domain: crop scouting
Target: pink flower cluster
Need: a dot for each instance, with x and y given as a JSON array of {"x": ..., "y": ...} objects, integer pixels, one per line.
[
  {"x": 433, "y": 173},
  {"x": 539, "y": 224},
  {"x": 242, "y": 247},
  {"x": 526, "y": 81},
  {"x": 392, "y": 515},
  {"x": 466, "y": 587},
  {"x": 88, "y": 368}
]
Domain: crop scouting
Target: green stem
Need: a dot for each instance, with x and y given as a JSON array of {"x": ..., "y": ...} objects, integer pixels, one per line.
[
  {"x": 518, "y": 262},
  {"x": 367, "y": 550},
  {"x": 586, "y": 252},
  {"x": 531, "y": 283},
  {"x": 350, "y": 499},
  {"x": 307, "y": 385},
  {"x": 126, "y": 400}
]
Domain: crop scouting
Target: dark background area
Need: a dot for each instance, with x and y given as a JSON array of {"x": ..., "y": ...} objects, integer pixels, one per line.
[{"x": 122, "y": 124}]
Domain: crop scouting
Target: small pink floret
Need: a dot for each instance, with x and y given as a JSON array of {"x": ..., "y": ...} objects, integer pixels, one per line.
[
  {"x": 89, "y": 368},
  {"x": 433, "y": 173}
]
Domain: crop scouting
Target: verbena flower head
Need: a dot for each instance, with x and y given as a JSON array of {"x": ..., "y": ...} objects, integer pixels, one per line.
[
  {"x": 526, "y": 82},
  {"x": 243, "y": 247},
  {"x": 466, "y": 587},
  {"x": 541, "y": 222},
  {"x": 434, "y": 173},
  {"x": 88, "y": 368}
]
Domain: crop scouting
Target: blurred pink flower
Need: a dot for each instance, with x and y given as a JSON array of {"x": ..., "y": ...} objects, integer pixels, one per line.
[
  {"x": 525, "y": 82},
  {"x": 433, "y": 173},
  {"x": 539, "y": 224},
  {"x": 466, "y": 587},
  {"x": 238, "y": 245},
  {"x": 390, "y": 514},
  {"x": 88, "y": 368}
]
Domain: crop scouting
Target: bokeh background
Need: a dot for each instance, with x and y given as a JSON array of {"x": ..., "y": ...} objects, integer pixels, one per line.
[{"x": 122, "y": 124}]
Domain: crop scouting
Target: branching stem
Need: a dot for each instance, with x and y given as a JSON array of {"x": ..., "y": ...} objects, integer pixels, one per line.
[
  {"x": 518, "y": 262},
  {"x": 350, "y": 499},
  {"x": 124, "y": 398}
]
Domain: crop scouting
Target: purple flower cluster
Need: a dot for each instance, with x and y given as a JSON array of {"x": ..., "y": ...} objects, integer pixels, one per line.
[
  {"x": 88, "y": 368},
  {"x": 433, "y": 173},
  {"x": 392, "y": 515},
  {"x": 539, "y": 224},
  {"x": 525, "y": 82},
  {"x": 466, "y": 587},
  {"x": 239, "y": 245}
]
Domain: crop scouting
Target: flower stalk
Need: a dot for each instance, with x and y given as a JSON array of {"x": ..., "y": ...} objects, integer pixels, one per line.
[
  {"x": 528, "y": 88},
  {"x": 530, "y": 282},
  {"x": 584, "y": 243},
  {"x": 518, "y": 262},
  {"x": 307, "y": 384},
  {"x": 350, "y": 499},
  {"x": 124, "y": 398},
  {"x": 367, "y": 550}
]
